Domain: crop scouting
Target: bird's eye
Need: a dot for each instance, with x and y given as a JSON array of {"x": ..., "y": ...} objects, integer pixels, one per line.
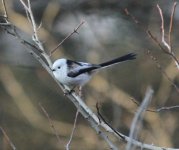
[{"x": 59, "y": 67}]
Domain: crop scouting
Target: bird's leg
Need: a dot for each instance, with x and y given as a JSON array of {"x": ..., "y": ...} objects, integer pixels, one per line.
[{"x": 80, "y": 91}]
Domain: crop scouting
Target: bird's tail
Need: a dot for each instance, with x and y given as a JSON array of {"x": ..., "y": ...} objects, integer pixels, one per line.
[{"x": 129, "y": 56}]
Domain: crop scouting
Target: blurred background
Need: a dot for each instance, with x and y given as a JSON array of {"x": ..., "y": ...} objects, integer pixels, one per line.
[{"x": 107, "y": 33}]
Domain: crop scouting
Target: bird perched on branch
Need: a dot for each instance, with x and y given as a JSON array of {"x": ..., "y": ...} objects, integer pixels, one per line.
[{"x": 76, "y": 74}]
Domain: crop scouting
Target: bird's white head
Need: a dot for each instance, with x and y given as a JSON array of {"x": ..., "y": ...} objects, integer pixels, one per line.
[
  {"x": 59, "y": 68},
  {"x": 59, "y": 64}
]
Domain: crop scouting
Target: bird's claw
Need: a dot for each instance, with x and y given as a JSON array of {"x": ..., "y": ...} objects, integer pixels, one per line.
[{"x": 68, "y": 92}]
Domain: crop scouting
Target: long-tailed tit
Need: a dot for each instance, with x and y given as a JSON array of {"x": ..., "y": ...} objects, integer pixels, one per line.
[{"x": 73, "y": 73}]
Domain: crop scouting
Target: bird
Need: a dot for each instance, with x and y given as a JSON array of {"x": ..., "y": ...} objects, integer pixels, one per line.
[{"x": 77, "y": 74}]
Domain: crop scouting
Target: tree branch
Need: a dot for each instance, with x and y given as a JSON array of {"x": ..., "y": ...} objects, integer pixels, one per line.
[
  {"x": 73, "y": 130},
  {"x": 35, "y": 37},
  {"x": 171, "y": 23},
  {"x": 50, "y": 122},
  {"x": 67, "y": 37},
  {"x": 139, "y": 117},
  {"x": 8, "y": 139}
]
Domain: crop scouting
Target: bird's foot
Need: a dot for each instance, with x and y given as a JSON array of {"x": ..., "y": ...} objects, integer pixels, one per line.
[{"x": 68, "y": 92}]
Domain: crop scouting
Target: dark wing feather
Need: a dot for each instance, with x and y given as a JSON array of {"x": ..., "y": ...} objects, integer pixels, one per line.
[{"x": 76, "y": 72}]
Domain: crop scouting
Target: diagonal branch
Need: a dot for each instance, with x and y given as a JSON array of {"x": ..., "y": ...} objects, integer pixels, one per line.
[
  {"x": 5, "y": 10},
  {"x": 8, "y": 139},
  {"x": 138, "y": 117},
  {"x": 168, "y": 45},
  {"x": 162, "y": 29},
  {"x": 50, "y": 122},
  {"x": 5, "y": 16},
  {"x": 73, "y": 130},
  {"x": 35, "y": 36},
  {"x": 171, "y": 22},
  {"x": 67, "y": 37}
]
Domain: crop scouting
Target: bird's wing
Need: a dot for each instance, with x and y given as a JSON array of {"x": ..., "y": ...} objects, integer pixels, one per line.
[{"x": 78, "y": 68}]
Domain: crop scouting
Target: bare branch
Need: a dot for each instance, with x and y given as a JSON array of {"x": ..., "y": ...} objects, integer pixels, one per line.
[
  {"x": 50, "y": 122},
  {"x": 67, "y": 37},
  {"x": 25, "y": 6},
  {"x": 139, "y": 117},
  {"x": 125, "y": 138},
  {"x": 171, "y": 23},
  {"x": 131, "y": 16},
  {"x": 8, "y": 139},
  {"x": 157, "y": 42},
  {"x": 164, "y": 108},
  {"x": 5, "y": 16},
  {"x": 73, "y": 130},
  {"x": 162, "y": 70},
  {"x": 89, "y": 115},
  {"x": 168, "y": 45},
  {"x": 101, "y": 118},
  {"x": 162, "y": 29},
  {"x": 35, "y": 37},
  {"x": 5, "y": 10},
  {"x": 167, "y": 48},
  {"x": 158, "y": 109}
]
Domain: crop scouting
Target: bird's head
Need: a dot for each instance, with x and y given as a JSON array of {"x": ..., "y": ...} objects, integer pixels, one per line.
[{"x": 58, "y": 65}]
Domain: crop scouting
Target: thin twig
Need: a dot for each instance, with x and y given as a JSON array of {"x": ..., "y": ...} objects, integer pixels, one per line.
[
  {"x": 73, "y": 130},
  {"x": 171, "y": 23},
  {"x": 101, "y": 119},
  {"x": 149, "y": 33},
  {"x": 50, "y": 122},
  {"x": 5, "y": 16},
  {"x": 162, "y": 70},
  {"x": 158, "y": 109},
  {"x": 168, "y": 45},
  {"x": 67, "y": 37},
  {"x": 131, "y": 16},
  {"x": 8, "y": 139},
  {"x": 35, "y": 36},
  {"x": 164, "y": 108},
  {"x": 163, "y": 29},
  {"x": 139, "y": 117},
  {"x": 25, "y": 6},
  {"x": 5, "y": 10},
  {"x": 156, "y": 41}
]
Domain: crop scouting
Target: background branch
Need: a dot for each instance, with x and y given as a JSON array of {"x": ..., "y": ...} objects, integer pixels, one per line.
[
  {"x": 73, "y": 130},
  {"x": 136, "y": 123},
  {"x": 67, "y": 37},
  {"x": 51, "y": 123},
  {"x": 8, "y": 139},
  {"x": 171, "y": 23}
]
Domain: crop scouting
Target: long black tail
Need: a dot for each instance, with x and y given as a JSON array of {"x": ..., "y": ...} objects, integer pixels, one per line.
[{"x": 129, "y": 56}]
